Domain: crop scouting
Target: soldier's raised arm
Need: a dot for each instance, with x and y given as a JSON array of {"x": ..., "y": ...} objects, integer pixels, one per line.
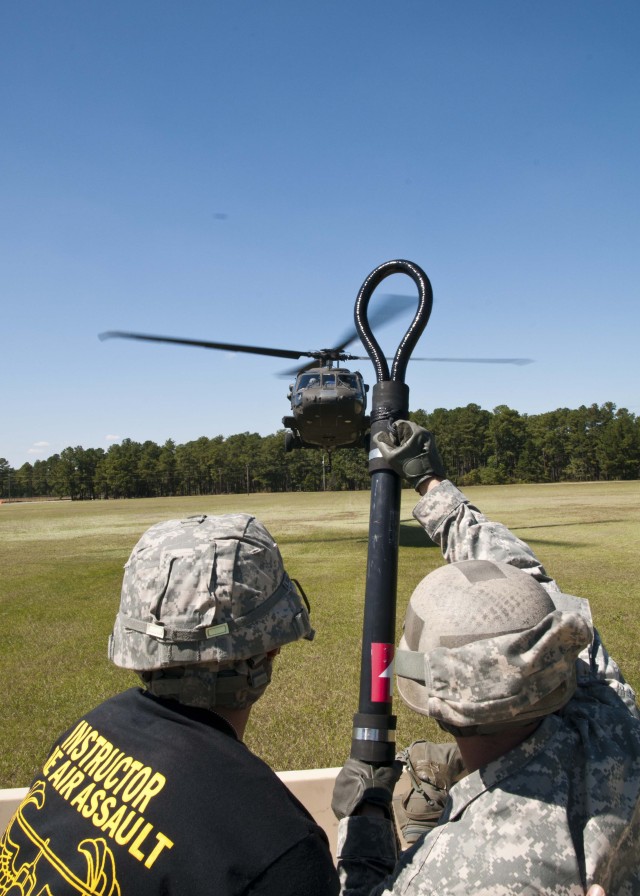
[{"x": 446, "y": 514}]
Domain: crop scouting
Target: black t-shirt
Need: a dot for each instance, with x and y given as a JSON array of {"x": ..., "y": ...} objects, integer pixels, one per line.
[{"x": 146, "y": 796}]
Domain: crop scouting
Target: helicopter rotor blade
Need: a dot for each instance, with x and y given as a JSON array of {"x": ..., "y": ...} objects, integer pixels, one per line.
[
  {"x": 220, "y": 346},
  {"x": 395, "y": 304},
  {"x": 518, "y": 361},
  {"x": 294, "y": 371},
  {"x": 392, "y": 306}
]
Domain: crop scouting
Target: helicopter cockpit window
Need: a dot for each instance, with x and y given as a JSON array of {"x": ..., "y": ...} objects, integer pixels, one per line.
[
  {"x": 308, "y": 379},
  {"x": 328, "y": 381},
  {"x": 347, "y": 380}
]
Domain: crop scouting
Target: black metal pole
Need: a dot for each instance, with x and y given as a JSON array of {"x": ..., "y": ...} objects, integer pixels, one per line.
[{"x": 373, "y": 737}]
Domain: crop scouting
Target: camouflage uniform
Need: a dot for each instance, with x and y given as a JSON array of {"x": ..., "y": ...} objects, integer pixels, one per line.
[{"x": 554, "y": 815}]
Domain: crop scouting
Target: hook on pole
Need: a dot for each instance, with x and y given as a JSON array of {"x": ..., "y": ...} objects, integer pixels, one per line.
[{"x": 415, "y": 329}]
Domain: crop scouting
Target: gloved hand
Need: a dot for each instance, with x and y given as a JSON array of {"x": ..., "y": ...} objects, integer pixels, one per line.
[
  {"x": 433, "y": 769},
  {"x": 361, "y": 782},
  {"x": 412, "y": 454}
]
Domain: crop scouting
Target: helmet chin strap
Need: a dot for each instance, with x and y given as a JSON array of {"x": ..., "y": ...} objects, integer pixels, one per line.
[
  {"x": 482, "y": 730},
  {"x": 209, "y": 687},
  {"x": 478, "y": 751}
]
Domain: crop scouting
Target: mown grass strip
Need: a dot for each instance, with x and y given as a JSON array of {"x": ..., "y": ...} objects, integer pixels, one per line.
[{"x": 62, "y": 562}]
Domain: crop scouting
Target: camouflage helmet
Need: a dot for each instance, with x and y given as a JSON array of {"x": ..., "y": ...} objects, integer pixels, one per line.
[
  {"x": 209, "y": 592},
  {"x": 486, "y": 647}
]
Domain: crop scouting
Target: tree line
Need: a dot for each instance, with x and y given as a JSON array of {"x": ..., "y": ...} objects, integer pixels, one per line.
[{"x": 477, "y": 446}]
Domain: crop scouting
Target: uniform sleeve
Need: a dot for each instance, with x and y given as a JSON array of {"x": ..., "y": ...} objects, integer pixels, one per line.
[
  {"x": 464, "y": 533},
  {"x": 306, "y": 868},
  {"x": 367, "y": 854},
  {"x": 599, "y": 673}
]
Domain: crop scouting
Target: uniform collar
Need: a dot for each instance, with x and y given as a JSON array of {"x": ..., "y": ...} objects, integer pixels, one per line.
[{"x": 491, "y": 775}]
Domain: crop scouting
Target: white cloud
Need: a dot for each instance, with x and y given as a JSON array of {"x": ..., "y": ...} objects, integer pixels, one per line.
[
  {"x": 111, "y": 438},
  {"x": 38, "y": 448}
]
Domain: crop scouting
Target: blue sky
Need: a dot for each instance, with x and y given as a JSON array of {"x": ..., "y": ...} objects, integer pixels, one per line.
[{"x": 234, "y": 170}]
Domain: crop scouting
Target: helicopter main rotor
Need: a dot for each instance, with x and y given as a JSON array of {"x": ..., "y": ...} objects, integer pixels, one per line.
[
  {"x": 322, "y": 355},
  {"x": 392, "y": 305}
]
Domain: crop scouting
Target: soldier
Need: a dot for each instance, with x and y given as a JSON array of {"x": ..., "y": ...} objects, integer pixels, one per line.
[
  {"x": 154, "y": 792},
  {"x": 547, "y": 728}
]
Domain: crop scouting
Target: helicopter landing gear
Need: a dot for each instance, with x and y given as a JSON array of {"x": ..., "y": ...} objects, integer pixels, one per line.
[{"x": 291, "y": 441}]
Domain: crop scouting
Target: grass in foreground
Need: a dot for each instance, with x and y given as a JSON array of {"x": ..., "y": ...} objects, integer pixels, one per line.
[{"x": 62, "y": 568}]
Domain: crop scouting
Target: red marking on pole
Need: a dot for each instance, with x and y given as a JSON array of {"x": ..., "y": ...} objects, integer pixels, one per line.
[{"x": 381, "y": 672}]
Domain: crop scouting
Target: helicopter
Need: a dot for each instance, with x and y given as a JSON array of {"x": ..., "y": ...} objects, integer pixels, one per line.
[
  {"x": 328, "y": 402},
  {"x": 328, "y": 405}
]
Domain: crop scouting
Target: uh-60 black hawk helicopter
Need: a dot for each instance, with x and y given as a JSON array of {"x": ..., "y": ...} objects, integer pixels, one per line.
[{"x": 328, "y": 402}]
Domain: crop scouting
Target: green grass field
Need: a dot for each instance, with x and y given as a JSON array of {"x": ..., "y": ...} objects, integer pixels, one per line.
[{"x": 61, "y": 568}]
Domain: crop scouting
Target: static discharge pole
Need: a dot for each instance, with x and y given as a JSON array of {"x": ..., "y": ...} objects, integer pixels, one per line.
[{"x": 373, "y": 738}]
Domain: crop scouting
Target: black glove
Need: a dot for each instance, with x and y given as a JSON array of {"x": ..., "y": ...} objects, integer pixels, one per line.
[
  {"x": 412, "y": 454},
  {"x": 361, "y": 782}
]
